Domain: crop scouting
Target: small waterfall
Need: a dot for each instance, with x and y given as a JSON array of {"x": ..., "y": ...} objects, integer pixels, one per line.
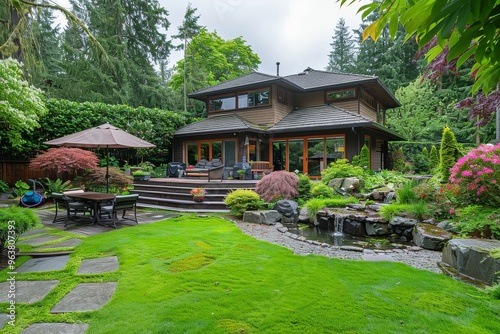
[
  {"x": 390, "y": 196},
  {"x": 339, "y": 225}
]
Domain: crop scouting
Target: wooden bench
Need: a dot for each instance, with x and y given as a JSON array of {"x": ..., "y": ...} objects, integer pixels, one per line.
[{"x": 261, "y": 167}]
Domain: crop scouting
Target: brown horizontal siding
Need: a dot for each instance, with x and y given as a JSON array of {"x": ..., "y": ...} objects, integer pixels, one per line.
[
  {"x": 281, "y": 109},
  {"x": 368, "y": 112},
  {"x": 309, "y": 99},
  {"x": 349, "y": 105}
]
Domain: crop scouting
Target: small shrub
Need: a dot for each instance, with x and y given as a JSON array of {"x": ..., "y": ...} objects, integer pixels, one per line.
[
  {"x": 22, "y": 220},
  {"x": 363, "y": 160},
  {"x": 421, "y": 162},
  {"x": 278, "y": 184},
  {"x": 427, "y": 190},
  {"x": 96, "y": 179},
  {"x": 320, "y": 190},
  {"x": 242, "y": 200},
  {"x": 304, "y": 187},
  {"x": 339, "y": 169},
  {"x": 478, "y": 221},
  {"x": 398, "y": 159},
  {"x": 433, "y": 160}
]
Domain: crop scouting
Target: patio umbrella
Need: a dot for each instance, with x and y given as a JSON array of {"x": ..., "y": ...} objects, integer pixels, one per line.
[{"x": 107, "y": 136}]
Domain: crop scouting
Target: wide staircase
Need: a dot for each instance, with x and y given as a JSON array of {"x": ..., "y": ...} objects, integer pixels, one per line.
[{"x": 174, "y": 194}]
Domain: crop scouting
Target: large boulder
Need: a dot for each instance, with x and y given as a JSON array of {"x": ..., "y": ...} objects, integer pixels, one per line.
[
  {"x": 267, "y": 217},
  {"x": 289, "y": 211},
  {"x": 476, "y": 258},
  {"x": 430, "y": 237}
]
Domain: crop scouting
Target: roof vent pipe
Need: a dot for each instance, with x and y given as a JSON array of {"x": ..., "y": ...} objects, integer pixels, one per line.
[{"x": 278, "y": 68}]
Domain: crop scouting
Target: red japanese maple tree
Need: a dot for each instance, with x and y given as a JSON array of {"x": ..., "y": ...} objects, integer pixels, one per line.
[{"x": 65, "y": 159}]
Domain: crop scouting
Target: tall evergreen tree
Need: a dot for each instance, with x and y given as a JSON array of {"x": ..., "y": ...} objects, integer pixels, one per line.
[
  {"x": 189, "y": 29},
  {"x": 342, "y": 56},
  {"x": 390, "y": 60},
  {"x": 132, "y": 33}
]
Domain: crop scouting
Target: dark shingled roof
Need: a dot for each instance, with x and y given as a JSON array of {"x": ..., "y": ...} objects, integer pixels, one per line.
[
  {"x": 308, "y": 80},
  {"x": 311, "y": 79},
  {"x": 247, "y": 80},
  {"x": 325, "y": 117},
  {"x": 313, "y": 118},
  {"x": 219, "y": 124}
]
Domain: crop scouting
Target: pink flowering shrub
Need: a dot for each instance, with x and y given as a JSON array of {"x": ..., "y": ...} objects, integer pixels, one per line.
[{"x": 478, "y": 176}]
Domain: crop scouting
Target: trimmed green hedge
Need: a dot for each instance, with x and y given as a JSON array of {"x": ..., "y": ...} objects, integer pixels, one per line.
[{"x": 66, "y": 117}]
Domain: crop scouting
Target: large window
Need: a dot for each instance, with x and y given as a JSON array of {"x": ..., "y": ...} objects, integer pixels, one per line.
[
  {"x": 241, "y": 100},
  {"x": 307, "y": 155},
  {"x": 223, "y": 103}
]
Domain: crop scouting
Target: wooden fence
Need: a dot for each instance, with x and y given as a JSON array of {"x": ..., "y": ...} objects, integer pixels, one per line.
[{"x": 12, "y": 171}]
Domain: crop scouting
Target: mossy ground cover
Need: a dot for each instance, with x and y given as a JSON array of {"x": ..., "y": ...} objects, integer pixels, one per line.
[{"x": 202, "y": 275}]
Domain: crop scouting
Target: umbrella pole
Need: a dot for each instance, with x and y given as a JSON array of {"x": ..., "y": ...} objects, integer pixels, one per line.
[{"x": 107, "y": 169}]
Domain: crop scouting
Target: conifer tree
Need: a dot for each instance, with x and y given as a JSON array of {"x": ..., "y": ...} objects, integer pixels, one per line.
[
  {"x": 449, "y": 153},
  {"x": 433, "y": 160},
  {"x": 341, "y": 58}
]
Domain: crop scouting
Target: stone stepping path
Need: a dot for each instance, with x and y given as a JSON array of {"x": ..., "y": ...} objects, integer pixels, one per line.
[
  {"x": 44, "y": 264},
  {"x": 27, "y": 292},
  {"x": 65, "y": 243},
  {"x": 55, "y": 328},
  {"x": 40, "y": 240},
  {"x": 86, "y": 297},
  {"x": 99, "y": 265}
]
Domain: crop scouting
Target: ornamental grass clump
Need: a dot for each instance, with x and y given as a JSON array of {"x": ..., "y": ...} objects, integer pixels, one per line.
[
  {"x": 477, "y": 175},
  {"x": 278, "y": 184}
]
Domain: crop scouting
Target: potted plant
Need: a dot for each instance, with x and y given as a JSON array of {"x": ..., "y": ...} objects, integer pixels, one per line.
[
  {"x": 198, "y": 194},
  {"x": 141, "y": 175},
  {"x": 241, "y": 173}
]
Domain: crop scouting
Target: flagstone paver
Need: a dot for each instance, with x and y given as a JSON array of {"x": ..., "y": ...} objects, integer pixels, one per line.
[
  {"x": 27, "y": 292},
  {"x": 44, "y": 264},
  {"x": 99, "y": 265},
  {"x": 34, "y": 232},
  {"x": 65, "y": 243},
  {"x": 40, "y": 240},
  {"x": 4, "y": 318},
  {"x": 86, "y": 297},
  {"x": 55, "y": 328},
  {"x": 377, "y": 257}
]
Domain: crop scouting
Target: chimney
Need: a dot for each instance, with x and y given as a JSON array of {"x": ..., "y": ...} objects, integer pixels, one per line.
[{"x": 278, "y": 68}]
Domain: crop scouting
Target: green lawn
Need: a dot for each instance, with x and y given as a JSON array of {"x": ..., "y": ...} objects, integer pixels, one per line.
[{"x": 203, "y": 275}]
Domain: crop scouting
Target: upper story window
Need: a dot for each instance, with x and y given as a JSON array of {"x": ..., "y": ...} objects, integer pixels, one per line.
[
  {"x": 241, "y": 100},
  {"x": 223, "y": 103},
  {"x": 333, "y": 95}
]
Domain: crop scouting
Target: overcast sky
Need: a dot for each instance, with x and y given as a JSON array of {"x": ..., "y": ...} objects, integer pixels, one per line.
[{"x": 297, "y": 33}]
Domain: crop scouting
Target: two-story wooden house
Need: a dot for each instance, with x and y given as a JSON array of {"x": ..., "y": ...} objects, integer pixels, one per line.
[{"x": 297, "y": 122}]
